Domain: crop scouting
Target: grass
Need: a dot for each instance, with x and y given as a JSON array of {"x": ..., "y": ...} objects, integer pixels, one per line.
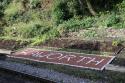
[{"x": 14, "y": 38}]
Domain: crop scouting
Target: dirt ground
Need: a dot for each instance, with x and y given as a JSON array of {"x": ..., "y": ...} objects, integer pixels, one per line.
[
  {"x": 104, "y": 46},
  {"x": 12, "y": 44}
]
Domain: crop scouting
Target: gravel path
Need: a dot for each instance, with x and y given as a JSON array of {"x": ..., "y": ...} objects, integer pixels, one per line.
[
  {"x": 43, "y": 73},
  {"x": 11, "y": 79}
]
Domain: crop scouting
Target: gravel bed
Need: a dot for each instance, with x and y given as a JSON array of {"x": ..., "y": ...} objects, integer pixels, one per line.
[
  {"x": 43, "y": 73},
  {"x": 8, "y": 78}
]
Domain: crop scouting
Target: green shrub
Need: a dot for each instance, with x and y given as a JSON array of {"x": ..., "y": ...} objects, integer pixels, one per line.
[
  {"x": 28, "y": 16},
  {"x": 1, "y": 31},
  {"x": 121, "y": 7},
  {"x": 112, "y": 20},
  {"x": 59, "y": 11},
  {"x": 51, "y": 34},
  {"x": 26, "y": 30},
  {"x": 4, "y": 3},
  {"x": 1, "y": 14},
  {"x": 91, "y": 34},
  {"x": 108, "y": 20},
  {"x": 33, "y": 29},
  {"x": 34, "y": 3},
  {"x": 76, "y": 24},
  {"x": 64, "y": 10},
  {"x": 74, "y": 8},
  {"x": 12, "y": 11}
]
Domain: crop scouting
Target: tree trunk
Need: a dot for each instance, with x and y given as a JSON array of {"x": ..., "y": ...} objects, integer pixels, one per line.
[
  {"x": 81, "y": 5},
  {"x": 92, "y": 11}
]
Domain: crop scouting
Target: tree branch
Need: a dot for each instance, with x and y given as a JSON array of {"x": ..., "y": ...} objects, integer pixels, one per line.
[{"x": 92, "y": 11}]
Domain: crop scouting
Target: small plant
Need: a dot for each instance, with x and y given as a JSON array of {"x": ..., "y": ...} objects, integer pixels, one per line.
[
  {"x": 112, "y": 20},
  {"x": 13, "y": 10},
  {"x": 73, "y": 25},
  {"x": 117, "y": 42},
  {"x": 59, "y": 11},
  {"x": 26, "y": 30},
  {"x": 1, "y": 31},
  {"x": 51, "y": 34},
  {"x": 34, "y": 3},
  {"x": 64, "y": 10},
  {"x": 121, "y": 7},
  {"x": 91, "y": 34}
]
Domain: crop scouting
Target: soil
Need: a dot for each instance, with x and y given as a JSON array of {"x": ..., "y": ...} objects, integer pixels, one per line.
[
  {"x": 104, "y": 46},
  {"x": 12, "y": 44},
  {"x": 89, "y": 45}
]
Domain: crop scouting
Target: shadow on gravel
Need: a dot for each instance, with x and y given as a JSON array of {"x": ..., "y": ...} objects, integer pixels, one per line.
[{"x": 2, "y": 57}]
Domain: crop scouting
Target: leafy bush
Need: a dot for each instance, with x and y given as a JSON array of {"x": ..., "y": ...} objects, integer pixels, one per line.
[
  {"x": 34, "y": 30},
  {"x": 76, "y": 24},
  {"x": 34, "y": 3},
  {"x": 91, "y": 34},
  {"x": 74, "y": 8},
  {"x": 12, "y": 10},
  {"x": 1, "y": 31},
  {"x": 28, "y": 16},
  {"x": 121, "y": 7},
  {"x": 26, "y": 30},
  {"x": 51, "y": 34},
  {"x": 3, "y": 4},
  {"x": 112, "y": 20},
  {"x": 64, "y": 10},
  {"x": 59, "y": 11}
]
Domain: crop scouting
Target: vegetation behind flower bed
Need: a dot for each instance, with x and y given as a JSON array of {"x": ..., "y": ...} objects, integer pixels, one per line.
[{"x": 46, "y": 19}]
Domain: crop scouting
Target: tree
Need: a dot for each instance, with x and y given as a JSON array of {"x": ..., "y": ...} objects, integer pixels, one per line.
[{"x": 89, "y": 6}]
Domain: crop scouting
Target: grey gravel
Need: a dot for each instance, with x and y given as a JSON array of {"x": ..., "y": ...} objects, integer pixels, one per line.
[{"x": 43, "y": 73}]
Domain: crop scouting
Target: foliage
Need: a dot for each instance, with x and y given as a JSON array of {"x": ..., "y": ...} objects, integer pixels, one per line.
[
  {"x": 76, "y": 24},
  {"x": 3, "y": 4},
  {"x": 121, "y": 6},
  {"x": 34, "y": 3},
  {"x": 59, "y": 11},
  {"x": 26, "y": 30},
  {"x": 117, "y": 42},
  {"x": 91, "y": 34},
  {"x": 111, "y": 20},
  {"x": 64, "y": 10},
  {"x": 49, "y": 35},
  {"x": 1, "y": 31},
  {"x": 30, "y": 20},
  {"x": 12, "y": 11}
]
